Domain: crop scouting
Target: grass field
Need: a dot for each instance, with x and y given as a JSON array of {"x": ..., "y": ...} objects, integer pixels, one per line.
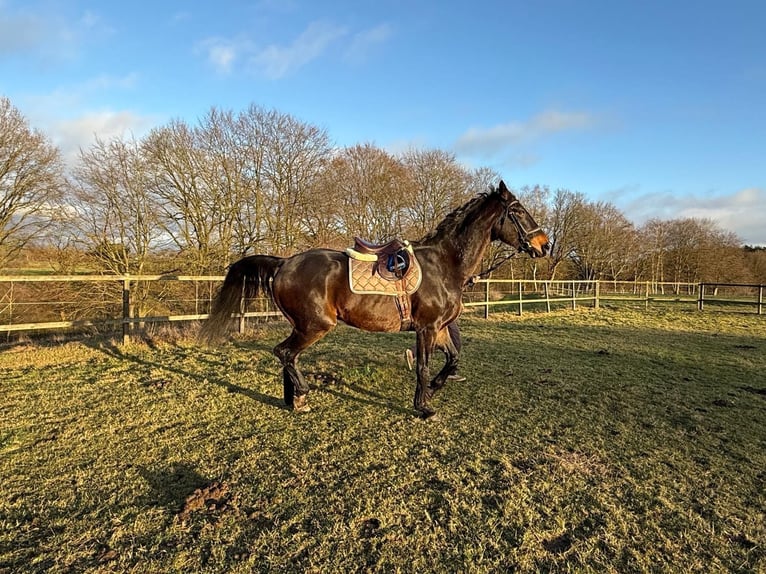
[{"x": 582, "y": 441}]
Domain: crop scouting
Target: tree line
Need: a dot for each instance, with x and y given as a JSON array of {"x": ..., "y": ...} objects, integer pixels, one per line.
[{"x": 191, "y": 198}]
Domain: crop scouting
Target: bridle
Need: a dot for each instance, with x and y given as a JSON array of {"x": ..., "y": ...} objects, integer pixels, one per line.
[{"x": 524, "y": 234}]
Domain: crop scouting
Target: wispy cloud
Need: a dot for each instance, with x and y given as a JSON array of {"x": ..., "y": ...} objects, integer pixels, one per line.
[
  {"x": 222, "y": 54},
  {"x": 76, "y": 96},
  {"x": 85, "y": 120},
  {"x": 278, "y": 60},
  {"x": 363, "y": 42},
  {"x": 499, "y": 138}
]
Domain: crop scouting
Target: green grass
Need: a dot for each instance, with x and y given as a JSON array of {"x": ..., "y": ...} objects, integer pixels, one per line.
[{"x": 610, "y": 441}]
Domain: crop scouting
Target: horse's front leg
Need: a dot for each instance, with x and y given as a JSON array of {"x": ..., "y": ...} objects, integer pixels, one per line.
[{"x": 423, "y": 390}]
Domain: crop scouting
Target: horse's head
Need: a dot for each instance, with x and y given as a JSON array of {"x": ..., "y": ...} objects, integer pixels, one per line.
[{"x": 517, "y": 227}]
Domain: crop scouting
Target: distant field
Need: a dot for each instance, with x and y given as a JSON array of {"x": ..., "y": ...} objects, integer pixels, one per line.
[{"x": 609, "y": 441}]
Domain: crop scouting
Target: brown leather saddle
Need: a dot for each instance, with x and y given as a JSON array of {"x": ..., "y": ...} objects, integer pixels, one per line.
[
  {"x": 393, "y": 260},
  {"x": 386, "y": 269}
]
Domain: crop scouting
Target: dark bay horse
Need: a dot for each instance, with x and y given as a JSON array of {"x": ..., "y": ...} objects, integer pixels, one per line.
[{"x": 312, "y": 290}]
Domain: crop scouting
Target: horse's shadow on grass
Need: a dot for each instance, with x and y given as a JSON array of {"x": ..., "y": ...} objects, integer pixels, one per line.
[
  {"x": 117, "y": 352},
  {"x": 337, "y": 386},
  {"x": 323, "y": 382}
]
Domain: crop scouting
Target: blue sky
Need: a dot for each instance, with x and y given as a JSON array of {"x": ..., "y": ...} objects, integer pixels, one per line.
[{"x": 656, "y": 106}]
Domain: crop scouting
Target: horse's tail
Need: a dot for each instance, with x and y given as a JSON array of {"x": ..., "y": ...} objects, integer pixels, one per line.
[{"x": 245, "y": 278}]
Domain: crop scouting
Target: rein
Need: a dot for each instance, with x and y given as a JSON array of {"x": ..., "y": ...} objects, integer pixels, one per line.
[{"x": 472, "y": 279}]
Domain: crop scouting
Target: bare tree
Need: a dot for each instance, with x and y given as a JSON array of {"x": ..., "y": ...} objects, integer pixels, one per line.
[
  {"x": 31, "y": 176},
  {"x": 372, "y": 184},
  {"x": 698, "y": 250},
  {"x": 440, "y": 184},
  {"x": 115, "y": 212},
  {"x": 564, "y": 217},
  {"x": 604, "y": 241},
  {"x": 184, "y": 183},
  {"x": 250, "y": 208},
  {"x": 481, "y": 180},
  {"x": 654, "y": 238},
  {"x": 295, "y": 155},
  {"x": 755, "y": 259},
  {"x": 325, "y": 221}
]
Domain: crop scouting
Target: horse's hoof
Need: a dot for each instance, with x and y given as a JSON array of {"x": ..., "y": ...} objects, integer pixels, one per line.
[
  {"x": 427, "y": 413},
  {"x": 300, "y": 404}
]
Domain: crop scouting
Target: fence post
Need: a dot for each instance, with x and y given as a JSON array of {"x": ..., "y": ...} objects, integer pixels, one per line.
[
  {"x": 574, "y": 296},
  {"x": 486, "y": 299},
  {"x": 760, "y": 299},
  {"x": 646, "y": 301},
  {"x": 126, "y": 312},
  {"x": 521, "y": 298},
  {"x": 597, "y": 294},
  {"x": 547, "y": 297},
  {"x": 242, "y": 307},
  {"x": 701, "y": 301}
]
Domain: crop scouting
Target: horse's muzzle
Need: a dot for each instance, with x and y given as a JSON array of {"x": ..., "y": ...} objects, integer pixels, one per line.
[{"x": 538, "y": 246}]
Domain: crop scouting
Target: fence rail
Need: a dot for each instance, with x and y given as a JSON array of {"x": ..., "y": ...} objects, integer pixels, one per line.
[
  {"x": 55, "y": 302},
  {"x": 518, "y": 294},
  {"x": 114, "y": 302}
]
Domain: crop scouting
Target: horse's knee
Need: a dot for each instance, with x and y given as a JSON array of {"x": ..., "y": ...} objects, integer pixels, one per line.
[{"x": 282, "y": 353}]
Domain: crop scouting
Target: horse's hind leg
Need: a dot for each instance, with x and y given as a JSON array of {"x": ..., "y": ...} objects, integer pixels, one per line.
[
  {"x": 450, "y": 344},
  {"x": 295, "y": 386}
]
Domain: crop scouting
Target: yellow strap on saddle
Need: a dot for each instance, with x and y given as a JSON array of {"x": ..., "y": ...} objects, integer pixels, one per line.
[{"x": 354, "y": 254}]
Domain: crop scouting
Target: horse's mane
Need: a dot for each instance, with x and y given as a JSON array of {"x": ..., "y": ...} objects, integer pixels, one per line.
[{"x": 454, "y": 220}]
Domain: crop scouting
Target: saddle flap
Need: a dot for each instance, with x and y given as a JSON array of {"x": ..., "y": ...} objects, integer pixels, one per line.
[{"x": 365, "y": 277}]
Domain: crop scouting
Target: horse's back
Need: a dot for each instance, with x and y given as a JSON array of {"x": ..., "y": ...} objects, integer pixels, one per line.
[{"x": 314, "y": 285}]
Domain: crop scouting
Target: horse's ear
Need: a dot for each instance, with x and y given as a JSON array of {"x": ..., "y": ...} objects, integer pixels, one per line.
[{"x": 501, "y": 186}]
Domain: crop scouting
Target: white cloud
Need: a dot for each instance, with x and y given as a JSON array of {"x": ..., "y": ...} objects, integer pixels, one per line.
[
  {"x": 74, "y": 134},
  {"x": 364, "y": 41},
  {"x": 277, "y": 61},
  {"x": 74, "y": 97},
  {"x": 80, "y": 133},
  {"x": 71, "y": 116},
  {"x": 742, "y": 212},
  {"x": 221, "y": 53},
  {"x": 494, "y": 140}
]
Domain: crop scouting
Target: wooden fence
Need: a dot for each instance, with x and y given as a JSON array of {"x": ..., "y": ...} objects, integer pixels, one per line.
[
  {"x": 121, "y": 311},
  {"x": 122, "y": 302},
  {"x": 519, "y": 294}
]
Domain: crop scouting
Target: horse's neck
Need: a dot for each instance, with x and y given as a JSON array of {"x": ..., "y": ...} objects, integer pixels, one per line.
[
  {"x": 466, "y": 249},
  {"x": 470, "y": 252}
]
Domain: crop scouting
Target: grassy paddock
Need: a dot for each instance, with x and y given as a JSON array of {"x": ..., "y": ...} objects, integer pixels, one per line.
[{"x": 609, "y": 441}]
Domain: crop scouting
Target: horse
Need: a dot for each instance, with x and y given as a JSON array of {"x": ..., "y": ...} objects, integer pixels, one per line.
[{"x": 311, "y": 289}]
